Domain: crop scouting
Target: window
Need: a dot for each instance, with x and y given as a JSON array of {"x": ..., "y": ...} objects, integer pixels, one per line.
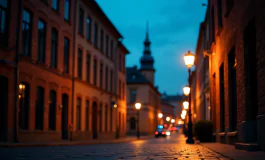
[
  {"x": 96, "y": 35},
  {"x": 52, "y": 110},
  {"x": 88, "y": 28},
  {"x": 87, "y": 115},
  {"x": 100, "y": 118},
  {"x": 132, "y": 123},
  {"x": 107, "y": 79},
  {"x": 102, "y": 40},
  {"x": 111, "y": 81},
  {"x": 78, "y": 114},
  {"x": 120, "y": 89},
  {"x": 55, "y": 5},
  {"x": 111, "y": 112},
  {"x": 66, "y": 55},
  {"x": 123, "y": 91},
  {"x": 54, "y": 48},
  {"x": 222, "y": 99},
  {"x": 41, "y": 41},
  {"x": 24, "y": 103},
  {"x": 80, "y": 55},
  {"x": 67, "y": 10},
  {"x": 213, "y": 24},
  {"x": 119, "y": 61},
  {"x": 133, "y": 96},
  {"x": 39, "y": 112},
  {"x": 95, "y": 72},
  {"x": 106, "y": 118},
  {"x": 26, "y": 33},
  {"x": 3, "y": 22},
  {"x": 107, "y": 46},
  {"x": 220, "y": 14},
  {"x": 101, "y": 75},
  {"x": 88, "y": 59},
  {"x": 111, "y": 49},
  {"x": 229, "y": 6},
  {"x": 81, "y": 22}
]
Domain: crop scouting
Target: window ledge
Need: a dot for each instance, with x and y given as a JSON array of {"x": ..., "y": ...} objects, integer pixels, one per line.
[
  {"x": 222, "y": 134},
  {"x": 232, "y": 134}
]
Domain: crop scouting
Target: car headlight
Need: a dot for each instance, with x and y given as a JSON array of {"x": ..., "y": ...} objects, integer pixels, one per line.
[{"x": 168, "y": 133}]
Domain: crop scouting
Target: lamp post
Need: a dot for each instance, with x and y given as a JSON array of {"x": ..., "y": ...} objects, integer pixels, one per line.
[
  {"x": 138, "y": 107},
  {"x": 189, "y": 62}
]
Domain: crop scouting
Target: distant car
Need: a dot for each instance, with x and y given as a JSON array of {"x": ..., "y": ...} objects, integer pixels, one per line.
[{"x": 160, "y": 132}]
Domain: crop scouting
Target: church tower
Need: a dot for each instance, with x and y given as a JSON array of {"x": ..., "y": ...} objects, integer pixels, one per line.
[{"x": 147, "y": 61}]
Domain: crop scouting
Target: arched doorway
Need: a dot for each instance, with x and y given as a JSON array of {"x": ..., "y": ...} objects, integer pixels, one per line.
[
  {"x": 3, "y": 107},
  {"x": 94, "y": 120},
  {"x": 64, "y": 116}
]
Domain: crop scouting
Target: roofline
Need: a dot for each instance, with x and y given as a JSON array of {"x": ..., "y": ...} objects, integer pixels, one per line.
[
  {"x": 142, "y": 83},
  {"x": 123, "y": 48},
  {"x": 96, "y": 6}
]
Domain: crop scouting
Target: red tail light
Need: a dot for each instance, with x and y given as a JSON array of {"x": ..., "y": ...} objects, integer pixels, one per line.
[
  {"x": 163, "y": 132},
  {"x": 156, "y": 132}
]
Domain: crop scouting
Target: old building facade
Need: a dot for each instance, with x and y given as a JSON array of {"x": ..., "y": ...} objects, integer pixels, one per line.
[
  {"x": 141, "y": 89},
  {"x": 55, "y": 99},
  {"x": 234, "y": 38}
]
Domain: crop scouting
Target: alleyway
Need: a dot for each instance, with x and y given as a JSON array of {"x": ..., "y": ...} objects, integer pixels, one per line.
[{"x": 173, "y": 147}]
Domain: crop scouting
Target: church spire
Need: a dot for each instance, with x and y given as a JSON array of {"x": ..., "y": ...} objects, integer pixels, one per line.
[
  {"x": 147, "y": 60},
  {"x": 147, "y": 41}
]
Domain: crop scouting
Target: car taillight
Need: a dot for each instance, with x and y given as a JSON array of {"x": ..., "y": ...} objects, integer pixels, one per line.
[
  {"x": 163, "y": 132},
  {"x": 156, "y": 132}
]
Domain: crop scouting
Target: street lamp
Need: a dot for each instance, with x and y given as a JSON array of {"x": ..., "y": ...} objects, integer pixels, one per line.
[
  {"x": 184, "y": 112},
  {"x": 189, "y": 59},
  {"x": 138, "y": 107},
  {"x": 186, "y": 105},
  {"x": 172, "y": 120},
  {"x": 186, "y": 90},
  {"x": 168, "y": 119},
  {"x": 160, "y": 115}
]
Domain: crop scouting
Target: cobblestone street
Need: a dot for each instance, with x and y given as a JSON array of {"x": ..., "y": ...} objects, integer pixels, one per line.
[{"x": 173, "y": 147}]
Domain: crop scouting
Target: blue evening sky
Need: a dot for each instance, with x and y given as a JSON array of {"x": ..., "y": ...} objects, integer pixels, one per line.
[{"x": 173, "y": 30}]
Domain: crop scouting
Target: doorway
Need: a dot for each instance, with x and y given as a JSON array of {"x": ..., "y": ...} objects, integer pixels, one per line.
[
  {"x": 3, "y": 107},
  {"x": 94, "y": 120},
  {"x": 64, "y": 122}
]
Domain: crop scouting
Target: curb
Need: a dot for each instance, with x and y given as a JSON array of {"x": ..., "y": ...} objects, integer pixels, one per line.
[
  {"x": 215, "y": 151},
  {"x": 69, "y": 143}
]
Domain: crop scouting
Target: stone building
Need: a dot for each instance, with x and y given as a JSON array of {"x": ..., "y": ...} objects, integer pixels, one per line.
[
  {"x": 234, "y": 40},
  {"x": 65, "y": 49},
  {"x": 141, "y": 89}
]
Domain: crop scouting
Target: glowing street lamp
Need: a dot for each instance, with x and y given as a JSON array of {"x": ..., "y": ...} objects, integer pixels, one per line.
[
  {"x": 186, "y": 105},
  {"x": 184, "y": 112},
  {"x": 186, "y": 90},
  {"x": 172, "y": 120},
  {"x": 168, "y": 119},
  {"x": 189, "y": 59},
  {"x": 160, "y": 115}
]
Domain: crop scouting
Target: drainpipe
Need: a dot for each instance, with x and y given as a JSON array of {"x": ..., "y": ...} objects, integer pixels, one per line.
[
  {"x": 17, "y": 72},
  {"x": 73, "y": 70},
  {"x": 116, "y": 81}
]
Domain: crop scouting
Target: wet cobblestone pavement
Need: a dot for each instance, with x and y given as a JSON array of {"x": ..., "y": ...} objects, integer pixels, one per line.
[{"x": 173, "y": 147}]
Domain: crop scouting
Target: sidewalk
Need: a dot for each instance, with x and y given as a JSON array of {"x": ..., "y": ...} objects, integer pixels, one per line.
[
  {"x": 229, "y": 151},
  {"x": 72, "y": 143}
]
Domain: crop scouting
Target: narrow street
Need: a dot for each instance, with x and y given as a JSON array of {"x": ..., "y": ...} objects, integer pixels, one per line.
[{"x": 173, "y": 147}]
